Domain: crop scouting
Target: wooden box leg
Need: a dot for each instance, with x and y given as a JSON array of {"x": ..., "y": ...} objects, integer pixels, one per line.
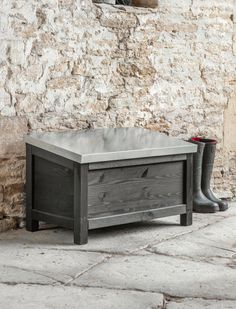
[
  {"x": 186, "y": 219},
  {"x": 80, "y": 203},
  {"x": 31, "y": 225}
]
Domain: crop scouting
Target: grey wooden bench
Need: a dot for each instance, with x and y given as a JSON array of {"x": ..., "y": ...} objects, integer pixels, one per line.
[{"x": 91, "y": 179}]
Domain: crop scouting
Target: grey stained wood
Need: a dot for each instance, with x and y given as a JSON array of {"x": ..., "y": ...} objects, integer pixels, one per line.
[
  {"x": 49, "y": 156},
  {"x": 80, "y": 203},
  {"x": 187, "y": 218},
  {"x": 31, "y": 224},
  {"x": 144, "y": 215},
  {"x": 98, "y": 194},
  {"x": 137, "y": 187},
  {"x": 53, "y": 218},
  {"x": 53, "y": 188},
  {"x": 113, "y": 164}
]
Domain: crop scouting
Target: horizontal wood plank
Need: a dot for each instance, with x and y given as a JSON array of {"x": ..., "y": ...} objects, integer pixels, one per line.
[
  {"x": 124, "y": 218},
  {"x": 53, "y": 218},
  {"x": 52, "y": 157},
  {"x": 133, "y": 162}
]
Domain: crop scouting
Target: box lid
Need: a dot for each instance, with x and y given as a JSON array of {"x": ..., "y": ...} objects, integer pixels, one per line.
[{"x": 100, "y": 145}]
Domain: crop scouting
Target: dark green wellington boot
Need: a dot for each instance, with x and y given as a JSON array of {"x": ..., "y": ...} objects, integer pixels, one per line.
[
  {"x": 200, "y": 202},
  {"x": 207, "y": 167}
]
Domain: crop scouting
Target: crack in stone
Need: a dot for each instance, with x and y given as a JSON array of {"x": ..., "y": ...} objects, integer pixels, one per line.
[
  {"x": 154, "y": 292},
  {"x": 36, "y": 273},
  {"x": 166, "y": 297},
  {"x": 14, "y": 283},
  {"x": 114, "y": 253},
  {"x": 192, "y": 259},
  {"x": 222, "y": 248},
  {"x": 87, "y": 270},
  {"x": 170, "y": 297},
  {"x": 116, "y": 288}
]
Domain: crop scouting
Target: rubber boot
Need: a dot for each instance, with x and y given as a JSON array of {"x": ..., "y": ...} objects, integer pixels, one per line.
[
  {"x": 200, "y": 202},
  {"x": 207, "y": 167}
]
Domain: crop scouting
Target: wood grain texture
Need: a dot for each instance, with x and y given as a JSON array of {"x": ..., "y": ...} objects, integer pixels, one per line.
[
  {"x": 135, "y": 162},
  {"x": 53, "y": 188},
  {"x": 144, "y": 215},
  {"x": 135, "y": 188},
  {"x": 187, "y": 218},
  {"x": 80, "y": 198}
]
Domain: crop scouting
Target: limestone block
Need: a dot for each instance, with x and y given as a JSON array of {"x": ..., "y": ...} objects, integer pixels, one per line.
[
  {"x": 12, "y": 171},
  {"x": 7, "y": 224},
  {"x": 11, "y": 138},
  {"x": 1, "y": 196},
  {"x": 6, "y": 106},
  {"x": 3, "y": 75},
  {"x": 63, "y": 82},
  {"x": 28, "y": 104},
  {"x": 230, "y": 125},
  {"x": 33, "y": 72},
  {"x": 17, "y": 55}
]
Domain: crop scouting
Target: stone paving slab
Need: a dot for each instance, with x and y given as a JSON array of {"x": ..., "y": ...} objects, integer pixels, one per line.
[
  {"x": 44, "y": 266},
  {"x": 163, "y": 274},
  {"x": 201, "y": 304},
  {"x": 214, "y": 244},
  {"x": 59, "y": 297}
]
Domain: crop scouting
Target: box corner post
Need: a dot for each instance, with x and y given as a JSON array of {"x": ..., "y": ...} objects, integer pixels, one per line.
[
  {"x": 80, "y": 203},
  {"x": 31, "y": 225},
  {"x": 186, "y": 219}
]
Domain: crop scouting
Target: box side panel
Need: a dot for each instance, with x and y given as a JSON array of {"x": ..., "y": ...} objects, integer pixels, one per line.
[
  {"x": 53, "y": 188},
  {"x": 135, "y": 188}
]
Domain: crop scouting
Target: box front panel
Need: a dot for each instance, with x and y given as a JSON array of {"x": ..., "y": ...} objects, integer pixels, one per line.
[{"x": 126, "y": 189}]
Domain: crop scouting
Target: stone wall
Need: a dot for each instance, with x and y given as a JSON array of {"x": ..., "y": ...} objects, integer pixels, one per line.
[{"x": 170, "y": 69}]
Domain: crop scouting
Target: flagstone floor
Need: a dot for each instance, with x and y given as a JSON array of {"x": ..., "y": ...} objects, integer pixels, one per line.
[{"x": 157, "y": 264}]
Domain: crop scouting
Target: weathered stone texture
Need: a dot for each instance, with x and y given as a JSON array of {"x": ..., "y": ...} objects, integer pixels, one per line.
[{"x": 171, "y": 69}]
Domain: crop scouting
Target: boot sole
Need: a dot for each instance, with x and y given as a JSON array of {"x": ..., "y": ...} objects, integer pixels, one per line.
[
  {"x": 204, "y": 209},
  {"x": 224, "y": 208}
]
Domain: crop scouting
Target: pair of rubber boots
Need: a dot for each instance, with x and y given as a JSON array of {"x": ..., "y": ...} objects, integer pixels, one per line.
[{"x": 204, "y": 200}]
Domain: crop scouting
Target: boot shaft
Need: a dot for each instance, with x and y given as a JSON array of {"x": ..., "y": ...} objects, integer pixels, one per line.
[
  {"x": 203, "y": 162},
  {"x": 208, "y": 164},
  {"x": 197, "y": 164}
]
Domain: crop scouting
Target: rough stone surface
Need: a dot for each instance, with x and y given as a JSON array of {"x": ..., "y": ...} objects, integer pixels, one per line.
[
  {"x": 201, "y": 304},
  {"x": 170, "y": 69},
  {"x": 176, "y": 267},
  {"x": 50, "y": 265},
  {"x": 163, "y": 274},
  {"x": 7, "y": 223},
  {"x": 61, "y": 297}
]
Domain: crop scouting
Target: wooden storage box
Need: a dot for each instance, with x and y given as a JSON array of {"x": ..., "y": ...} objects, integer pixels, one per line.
[{"x": 97, "y": 178}]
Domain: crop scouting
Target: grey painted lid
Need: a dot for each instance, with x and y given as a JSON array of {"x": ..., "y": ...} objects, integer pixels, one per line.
[{"x": 109, "y": 144}]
